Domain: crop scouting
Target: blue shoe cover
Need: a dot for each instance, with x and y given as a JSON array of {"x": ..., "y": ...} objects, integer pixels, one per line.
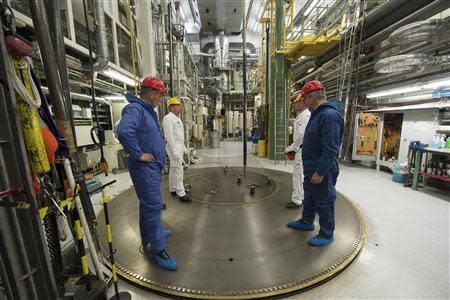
[
  {"x": 296, "y": 224},
  {"x": 167, "y": 232},
  {"x": 320, "y": 240},
  {"x": 165, "y": 261}
]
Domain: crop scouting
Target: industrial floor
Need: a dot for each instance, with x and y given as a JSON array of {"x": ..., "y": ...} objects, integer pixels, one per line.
[{"x": 406, "y": 253}]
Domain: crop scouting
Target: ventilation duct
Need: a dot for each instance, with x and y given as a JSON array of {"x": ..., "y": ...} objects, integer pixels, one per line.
[
  {"x": 222, "y": 46},
  {"x": 102, "y": 43}
]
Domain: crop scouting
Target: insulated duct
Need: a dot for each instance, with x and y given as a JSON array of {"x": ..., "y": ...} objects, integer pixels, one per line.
[
  {"x": 102, "y": 44},
  {"x": 410, "y": 63},
  {"x": 428, "y": 30}
]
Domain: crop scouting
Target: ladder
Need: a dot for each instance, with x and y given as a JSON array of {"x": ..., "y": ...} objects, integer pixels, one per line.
[{"x": 349, "y": 56}]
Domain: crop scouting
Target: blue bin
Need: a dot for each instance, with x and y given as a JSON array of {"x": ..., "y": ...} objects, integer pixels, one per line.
[{"x": 400, "y": 178}]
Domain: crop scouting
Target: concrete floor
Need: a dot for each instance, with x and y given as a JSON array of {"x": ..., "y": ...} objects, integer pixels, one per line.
[{"x": 406, "y": 254}]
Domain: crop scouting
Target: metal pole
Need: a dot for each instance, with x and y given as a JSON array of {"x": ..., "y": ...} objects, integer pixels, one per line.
[
  {"x": 62, "y": 117},
  {"x": 117, "y": 295},
  {"x": 244, "y": 83},
  {"x": 266, "y": 118},
  {"x": 169, "y": 8},
  {"x": 54, "y": 19}
]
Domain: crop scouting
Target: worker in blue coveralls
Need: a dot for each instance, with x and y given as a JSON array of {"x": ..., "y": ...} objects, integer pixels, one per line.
[
  {"x": 321, "y": 144},
  {"x": 142, "y": 139}
]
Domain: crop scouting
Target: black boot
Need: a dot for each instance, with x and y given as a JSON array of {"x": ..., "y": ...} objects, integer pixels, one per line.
[{"x": 185, "y": 198}]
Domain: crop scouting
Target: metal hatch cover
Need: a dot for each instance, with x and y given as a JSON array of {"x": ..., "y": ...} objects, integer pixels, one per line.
[{"x": 232, "y": 244}]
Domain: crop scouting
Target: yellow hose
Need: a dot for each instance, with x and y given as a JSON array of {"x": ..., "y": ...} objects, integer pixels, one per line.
[{"x": 29, "y": 120}]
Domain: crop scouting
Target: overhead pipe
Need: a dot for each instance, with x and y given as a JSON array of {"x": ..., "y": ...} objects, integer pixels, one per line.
[
  {"x": 102, "y": 55},
  {"x": 419, "y": 14},
  {"x": 390, "y": 16},
  {"x": 59, "y": 101},
  {"x": 391, "y": 76},
  {"x": 422, "y": 47}
]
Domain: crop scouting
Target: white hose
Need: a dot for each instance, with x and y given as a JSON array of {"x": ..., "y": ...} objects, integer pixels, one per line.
[{"x": 20, "y": 87}]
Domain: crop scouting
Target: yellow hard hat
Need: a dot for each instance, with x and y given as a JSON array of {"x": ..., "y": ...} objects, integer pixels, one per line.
[
  {"x": 173, "y": 101},
  {"x": 299, "y": 97}
]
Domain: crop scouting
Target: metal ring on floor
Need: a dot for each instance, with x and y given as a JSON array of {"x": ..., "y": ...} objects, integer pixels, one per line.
[{"x": 270, "y": 291}]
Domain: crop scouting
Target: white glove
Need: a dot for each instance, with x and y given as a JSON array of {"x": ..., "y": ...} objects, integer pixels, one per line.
[{"x": 289, "y": 149}]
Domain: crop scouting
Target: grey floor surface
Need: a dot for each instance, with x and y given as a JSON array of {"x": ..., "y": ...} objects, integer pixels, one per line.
[{"x": 406, "y": 254}]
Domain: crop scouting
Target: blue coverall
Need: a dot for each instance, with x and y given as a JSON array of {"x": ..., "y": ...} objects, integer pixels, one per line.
[
  {"x": 321, "y": 144},
  {"x": 139, "y": 133}
]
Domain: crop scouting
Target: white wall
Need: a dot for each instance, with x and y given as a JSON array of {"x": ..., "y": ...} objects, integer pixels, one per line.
[{"x": 417, "y": 125}]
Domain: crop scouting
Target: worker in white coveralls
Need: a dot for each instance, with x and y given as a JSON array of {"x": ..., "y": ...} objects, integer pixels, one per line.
[
  {"x": 300, "y": 123},
  {"x": 174, "y": 135}
]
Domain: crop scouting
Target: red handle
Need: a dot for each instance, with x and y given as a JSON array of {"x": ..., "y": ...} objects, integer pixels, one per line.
[{"x": 11, "y": 192}]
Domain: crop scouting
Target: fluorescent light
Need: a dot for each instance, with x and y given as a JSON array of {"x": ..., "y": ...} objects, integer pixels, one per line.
[
  {"x": 256, "y": 25},
  {"x": 115, "y": 97},
  {"x": 183, "y": 17},
  {"x": 394, "y": 91},
  {"x": 311, "y": 7},
  {"x": 310, "y": 70},
  {"x": 118, "y": 76},
  {"x": 437, "y": 84},
  {"x": 261, "y": 11}
]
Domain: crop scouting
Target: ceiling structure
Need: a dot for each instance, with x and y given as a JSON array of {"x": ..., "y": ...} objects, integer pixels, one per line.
[{"x": 220, "y": 15}]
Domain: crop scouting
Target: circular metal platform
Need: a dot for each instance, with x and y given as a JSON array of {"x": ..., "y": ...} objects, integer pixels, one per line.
[{"x": 231, "y": 243}]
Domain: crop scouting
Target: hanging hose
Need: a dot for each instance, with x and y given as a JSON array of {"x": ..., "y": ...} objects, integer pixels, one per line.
[
  {"x": 33, "y": 99},
  {"x": 97, "y": 128},
  {"x": 29, "y": 117},
  {"x": 132, "y": 48}
]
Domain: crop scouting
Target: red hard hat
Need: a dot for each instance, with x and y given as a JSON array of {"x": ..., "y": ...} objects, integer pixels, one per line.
[
  {"x": 154, "y": 83},
  {"x": 313, "y": 86}
]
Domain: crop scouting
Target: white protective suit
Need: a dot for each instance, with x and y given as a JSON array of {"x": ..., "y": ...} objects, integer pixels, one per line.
[
  {"x": 174, "y": 135},
  {"x": 297, "y": 174}
]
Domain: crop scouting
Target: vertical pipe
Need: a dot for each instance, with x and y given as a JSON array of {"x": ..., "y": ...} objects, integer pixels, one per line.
[
  {"x": 244, "y": 82},
  {"x": 91, "y": 65},
  {"x": 132, "y": 39},
  {"x": 54, "y": 20},
  {"x": 267, "y": 66},
  {"x": 169, "y": 8},
  {"x": 59, "y": 102},
  {"x": 179, "y": 55}
]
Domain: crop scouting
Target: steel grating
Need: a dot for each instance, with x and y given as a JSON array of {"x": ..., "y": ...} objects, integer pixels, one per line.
[{"x": 231, "y": 244}]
